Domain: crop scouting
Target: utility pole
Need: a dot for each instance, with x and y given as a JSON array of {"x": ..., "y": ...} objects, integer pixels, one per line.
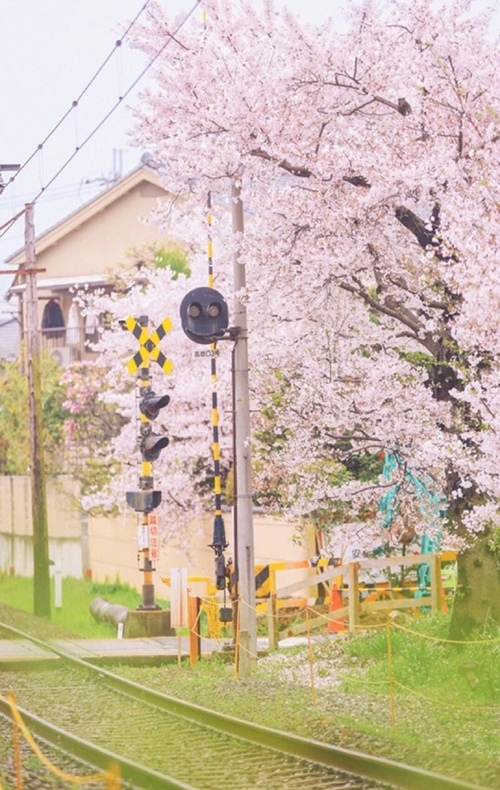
[
  {"x": 245, "y": 553},
  {"x": 41, "y": 578}
]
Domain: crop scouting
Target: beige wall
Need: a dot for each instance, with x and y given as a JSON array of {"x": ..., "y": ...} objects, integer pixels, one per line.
[
  {"x": 95, "y": 239},
  {"x": 113, "y": 551},
  {"x": 108, "y": 547},
  {"x": 101, "y": 241},
  {"x": 65, "y": 530}
]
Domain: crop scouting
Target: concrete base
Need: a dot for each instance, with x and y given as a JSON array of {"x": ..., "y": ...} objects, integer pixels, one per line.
[{"x": 147, "y": 622}]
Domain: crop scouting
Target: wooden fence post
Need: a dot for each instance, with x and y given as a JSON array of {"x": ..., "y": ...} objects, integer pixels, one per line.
[
  {"x": 272, "y": 621},
  {"x": 352, "y": 576},
  {"x": 435, "y": 564},
  {"x": 194, "y": 608}
]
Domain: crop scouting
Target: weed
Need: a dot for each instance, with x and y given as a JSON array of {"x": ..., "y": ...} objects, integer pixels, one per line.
[{"x": 77, "y": 595}]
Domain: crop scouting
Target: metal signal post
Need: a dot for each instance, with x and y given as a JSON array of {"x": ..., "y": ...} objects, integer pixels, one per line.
[
  {"x": 205, "y": 317},
  {"x": 245, "y": 549},
  {"x": 151, "y": 444},
  {"x": 219, "y": 314}
]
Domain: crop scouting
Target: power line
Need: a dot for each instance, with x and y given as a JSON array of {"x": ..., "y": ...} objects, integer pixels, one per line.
[
  {"x": 117, "y": 104},
  {"x": 11, "y": 221},
  {"x": 76, "y": 101},
  {"x": 77, "y": 150},
  {"x": 63, "y": 191}
]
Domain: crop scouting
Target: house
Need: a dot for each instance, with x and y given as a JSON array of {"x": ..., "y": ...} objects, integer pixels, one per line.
[
  {"x": 9, "y": 338},
  {"x": 81, "y": 251}
]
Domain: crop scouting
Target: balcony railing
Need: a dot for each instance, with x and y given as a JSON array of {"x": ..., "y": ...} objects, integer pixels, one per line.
[{"x": 68, "y": 344}]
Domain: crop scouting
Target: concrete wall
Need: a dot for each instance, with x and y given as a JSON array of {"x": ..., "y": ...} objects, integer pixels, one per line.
[
  {"x": 106, "y": 548},
  {"x": 65, "y": 528}
]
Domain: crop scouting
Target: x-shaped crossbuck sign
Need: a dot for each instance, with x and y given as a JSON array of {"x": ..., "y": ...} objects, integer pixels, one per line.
[{"x": 148, "y": 345}]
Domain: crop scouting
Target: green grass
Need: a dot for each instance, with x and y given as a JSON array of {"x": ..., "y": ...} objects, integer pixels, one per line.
[
  {"x": 77, "y": 595},
  {"x": 444, "y": 719},
  {"x": 423, "y": 660},
  {"x": 441, "y": 721}
]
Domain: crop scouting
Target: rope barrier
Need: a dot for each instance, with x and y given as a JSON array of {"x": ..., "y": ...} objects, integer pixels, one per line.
[
  {"x": 192, "y": 628},
  {"x": 448, "y": 641},
  {"x": 368, "y": 682},
  {"x": 391, "y": 682},
  {"x": 17, "y": 753},
  {"x": 359, "y": 626},
  {"x": 110, "y": 777},
  {"x": 448, "y": 704}
]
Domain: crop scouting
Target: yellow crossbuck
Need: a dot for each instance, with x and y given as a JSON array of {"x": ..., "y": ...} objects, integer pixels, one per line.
[{"x": 149, "y": 345}]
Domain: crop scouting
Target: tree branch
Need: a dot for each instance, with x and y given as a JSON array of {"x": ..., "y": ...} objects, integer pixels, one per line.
[
  {"x": 394, "y": 310},
  {"x": 417, "y": 226},
  {"x": 296, "y": 170},
  {"x": 402, "y": 107}
]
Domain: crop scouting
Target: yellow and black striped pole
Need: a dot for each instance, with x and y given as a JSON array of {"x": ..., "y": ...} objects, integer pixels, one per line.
[
  {"x": 146, "y": 498},
  {"x": 219, "y": 535},
  {"x": 145, "y": 479}
]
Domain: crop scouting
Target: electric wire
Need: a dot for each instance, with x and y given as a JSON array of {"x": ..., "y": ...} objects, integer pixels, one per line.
[
  {"x": 104, "y": 119},
  {"x": 66, "y": 190},
  {"x": 76, "y": 101}
]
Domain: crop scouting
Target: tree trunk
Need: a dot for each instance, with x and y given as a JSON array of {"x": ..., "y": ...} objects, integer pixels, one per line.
[{"x": 477, "y": 599}]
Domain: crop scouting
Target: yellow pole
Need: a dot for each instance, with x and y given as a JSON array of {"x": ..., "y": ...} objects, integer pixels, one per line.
[
  {"x": 148, "y": 594},
  {"x": 311, "y": 657},
  {"x": 219, "y": 542},
  {"x": 391, "y": 676}
]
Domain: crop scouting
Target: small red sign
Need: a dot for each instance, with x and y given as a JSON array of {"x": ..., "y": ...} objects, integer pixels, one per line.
[{"x": 154, "y": 536}]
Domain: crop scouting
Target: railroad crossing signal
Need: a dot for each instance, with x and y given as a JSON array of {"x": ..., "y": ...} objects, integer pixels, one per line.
[
  {"x": 148, "y": 344},
  {"x": 150, "y": 404},
  {"x": 151, "y": 446},
  {"x": 204, "y": 315},
  {"x": 146, "y": 498}
]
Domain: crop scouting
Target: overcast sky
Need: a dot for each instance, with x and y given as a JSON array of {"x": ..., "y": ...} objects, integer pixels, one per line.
[{"x": 50, "y": 51}]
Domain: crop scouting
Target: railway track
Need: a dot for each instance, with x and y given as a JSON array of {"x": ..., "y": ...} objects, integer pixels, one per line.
[{"x": 161, "y": 742}]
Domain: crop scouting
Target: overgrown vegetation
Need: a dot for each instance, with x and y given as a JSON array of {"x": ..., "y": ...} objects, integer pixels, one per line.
[
  {"x": 77, "y": 595},
  {"x": 427, "y": 702},
  {"x": 14, "y": 422}
]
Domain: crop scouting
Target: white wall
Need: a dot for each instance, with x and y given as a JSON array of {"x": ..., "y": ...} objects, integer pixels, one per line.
[{"x": 106, "y": 548}]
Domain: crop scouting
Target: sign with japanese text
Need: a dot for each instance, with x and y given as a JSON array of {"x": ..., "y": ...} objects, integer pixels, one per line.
[{"x": 154, "y": 536}]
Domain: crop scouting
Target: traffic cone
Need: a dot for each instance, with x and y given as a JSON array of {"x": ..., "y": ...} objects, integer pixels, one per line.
[{"x": 335, "y": 626}]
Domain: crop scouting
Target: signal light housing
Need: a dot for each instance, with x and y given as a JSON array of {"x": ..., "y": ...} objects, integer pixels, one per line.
[
  {"x": 151, "y": 445},
  {"x": 151, "y": 404},
  {"x": 143, "y": 501},
  {"x": 204, "y": 315}
]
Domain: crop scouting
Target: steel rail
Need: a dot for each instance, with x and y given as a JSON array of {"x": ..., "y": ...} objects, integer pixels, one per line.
[
  {"x": 357, "y": 763},
  {"x": 139, "y": 776}
]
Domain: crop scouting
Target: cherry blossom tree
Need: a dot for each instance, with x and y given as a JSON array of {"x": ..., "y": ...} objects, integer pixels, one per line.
[
  {"x": 369, "y": 168},
  {"x": 103, "y": 401}
]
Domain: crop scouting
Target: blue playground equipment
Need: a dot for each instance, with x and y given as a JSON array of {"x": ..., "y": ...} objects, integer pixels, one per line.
[{"x": 431, "y": 505}]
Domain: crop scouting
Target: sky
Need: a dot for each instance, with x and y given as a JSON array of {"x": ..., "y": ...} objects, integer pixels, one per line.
[{"x": 51, "y": 50}]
